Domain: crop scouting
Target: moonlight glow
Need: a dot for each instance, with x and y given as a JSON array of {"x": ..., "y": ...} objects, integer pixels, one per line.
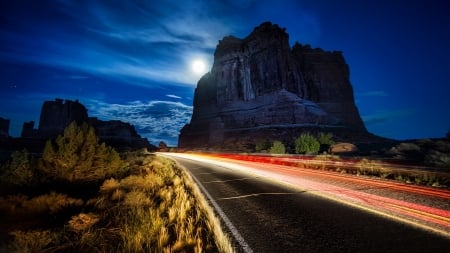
[{"x": 198, "y": 66}]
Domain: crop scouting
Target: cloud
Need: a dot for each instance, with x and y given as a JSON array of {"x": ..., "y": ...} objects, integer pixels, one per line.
[
  {"x": 173, "y": 96},
  {"x": 147, "y": 41},
  {"x": 382, "y": 117},
  {"x": 155, "y": 120},
  {"x": 375, "y": 93}
]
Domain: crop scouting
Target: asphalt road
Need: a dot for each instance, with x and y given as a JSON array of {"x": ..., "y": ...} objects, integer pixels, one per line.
[{"x": 266, "y": 215}]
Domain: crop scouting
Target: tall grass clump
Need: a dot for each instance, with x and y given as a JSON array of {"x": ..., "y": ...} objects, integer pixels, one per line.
[{"x": 162, "y": 216}]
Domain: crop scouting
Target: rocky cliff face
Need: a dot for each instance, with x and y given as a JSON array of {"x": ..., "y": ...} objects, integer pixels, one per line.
[
  {"x": 259, "y": 82},
  {"x": 4, "y": 127},
  {"x": 57, "y": 115}
]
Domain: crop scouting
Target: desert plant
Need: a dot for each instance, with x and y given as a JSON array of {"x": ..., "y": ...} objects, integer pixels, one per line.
[
  {"x": 277, "y": 148},
  {"x": 325, "y": 138},
  {"x": 262, "y": 146},
  {"x": 50, "y": 203},
  {"x": 19, "y": 170},
  {"x": 160, "y": 210},
  {"x": 30, "y": 241},
  {"x": 77, "y": 155},
  {"x": 438, "y": 159},
  {"x": 306, "y": 144}
]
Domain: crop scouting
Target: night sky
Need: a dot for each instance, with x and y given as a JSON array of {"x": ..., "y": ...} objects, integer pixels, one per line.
[{"x": 131, "y": 60}]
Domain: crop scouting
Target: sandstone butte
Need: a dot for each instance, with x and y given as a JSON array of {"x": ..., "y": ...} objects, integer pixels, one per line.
[
  {"x": 58, "y": 114},
  {"x": 261, "y": 89}
]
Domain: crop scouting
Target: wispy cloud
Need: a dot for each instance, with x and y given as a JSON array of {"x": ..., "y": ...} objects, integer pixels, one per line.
[
  {"x": 374, "y": 93},
  {"x": 173, "y": 96},
  {"x": 381, "y": 117},
  {"x": 155, "y": 120},
  {"x": 151, "y": 41}
]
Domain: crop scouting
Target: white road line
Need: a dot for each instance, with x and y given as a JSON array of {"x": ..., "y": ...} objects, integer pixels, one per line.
[{"x": 237, "y": 236}]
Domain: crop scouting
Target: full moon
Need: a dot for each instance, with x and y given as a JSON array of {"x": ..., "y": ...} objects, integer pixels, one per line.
[{"x": 198, "y": 66}]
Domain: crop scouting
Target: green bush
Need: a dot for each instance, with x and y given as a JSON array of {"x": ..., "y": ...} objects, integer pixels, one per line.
[
  {"x": 19, "y": 170},
  {"x": 77, "y": 155},
  {"x": 277, "y": 148},
  {"x": 262, "y": 146},
  {"x": 325, "y": 138},
  {"x": 307, "y": 144}
]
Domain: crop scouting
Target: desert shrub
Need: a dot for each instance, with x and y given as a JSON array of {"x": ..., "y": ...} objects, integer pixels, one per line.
[
  {"x": 19, "y": 170},
  {"x": 306, "y": 144},
  {"x": 438, "y": 159},
  {"x": 77, "y": 155},
  {"x": 325, "y": 138},
  {"x": 30, "y": 241},
  {"x": 262, "y": 146},
  {"x": 277, "y": 148},
  {"x": 50, "y": 203},
  {"x": 406, "y": 150}
]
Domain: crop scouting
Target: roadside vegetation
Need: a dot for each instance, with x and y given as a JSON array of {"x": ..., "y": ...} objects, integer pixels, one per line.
[
  {"x": 306, "y": 143},
  {"x": 83, "y": 196},
  {"x": 277, "y": 148},
  {"x": 431, "y": 157}
]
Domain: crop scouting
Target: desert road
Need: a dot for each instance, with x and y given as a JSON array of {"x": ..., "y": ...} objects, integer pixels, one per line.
[{"x": 274, "y": 208}]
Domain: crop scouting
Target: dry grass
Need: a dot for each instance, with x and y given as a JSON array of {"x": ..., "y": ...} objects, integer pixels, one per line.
[
  {"x": 158, "y": 209},
  {"x": 30, "y": 241},
  {"x": 162, "y": 216},
  {"x": 44, "y": 204}
]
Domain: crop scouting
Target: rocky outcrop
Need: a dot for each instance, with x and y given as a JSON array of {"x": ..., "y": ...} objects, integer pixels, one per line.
[
  {"x": 259, "y": 82},
  {"x": 119, "y": 134},
  {"x": 4, "y": 127},
  {"x": 343, "y": 148},
  {"x": 58, "y": 114}
]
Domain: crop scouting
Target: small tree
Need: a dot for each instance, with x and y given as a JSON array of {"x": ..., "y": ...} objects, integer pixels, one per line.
[
  {"x": 306, "y": 144},
  {"x": 77, "y": 155},
  {"x": 277, "y": 148},
  {"x": 19, "y": 170}
]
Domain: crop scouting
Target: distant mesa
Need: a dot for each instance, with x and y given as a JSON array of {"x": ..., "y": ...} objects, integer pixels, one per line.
[
  {"x": 58, "y": 114},
  {"x": 260, "y": 88}
]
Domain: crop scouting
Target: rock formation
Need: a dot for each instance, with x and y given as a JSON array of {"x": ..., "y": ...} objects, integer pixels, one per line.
[
  {"x": 259, "y": 85},
  {"x": 57, "y": 115},
  {"x": 4, "y": 127},
  {"x": 121, "y": 135}
]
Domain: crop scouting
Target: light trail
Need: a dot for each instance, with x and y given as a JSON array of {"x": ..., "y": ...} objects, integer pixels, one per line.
[
  {"x": 293, "y": 163},
  {"x": 426, "y": 217}
]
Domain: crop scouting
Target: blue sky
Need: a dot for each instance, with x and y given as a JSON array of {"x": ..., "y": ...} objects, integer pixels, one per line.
[{"x": 130, "y": 60}]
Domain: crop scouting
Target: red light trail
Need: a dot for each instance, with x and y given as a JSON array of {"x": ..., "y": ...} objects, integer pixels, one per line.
[{"x": 386, "y": 200}]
